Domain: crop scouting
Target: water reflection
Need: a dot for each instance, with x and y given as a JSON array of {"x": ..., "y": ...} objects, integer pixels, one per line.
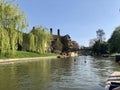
[{"x": 79, "y": 73}]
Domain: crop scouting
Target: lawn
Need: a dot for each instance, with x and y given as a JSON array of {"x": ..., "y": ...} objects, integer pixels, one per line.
[{"x": 23, "y": 54}]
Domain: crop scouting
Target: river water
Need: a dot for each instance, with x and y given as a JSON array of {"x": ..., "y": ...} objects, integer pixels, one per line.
[{"x": 78, "y": 73}]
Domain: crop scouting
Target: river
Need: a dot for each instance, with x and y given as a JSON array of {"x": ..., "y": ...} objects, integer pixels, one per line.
[{"x": 78, "y": 73}]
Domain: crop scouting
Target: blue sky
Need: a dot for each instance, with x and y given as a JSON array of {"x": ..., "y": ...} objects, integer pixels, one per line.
[{"x": 78, "y": 18}]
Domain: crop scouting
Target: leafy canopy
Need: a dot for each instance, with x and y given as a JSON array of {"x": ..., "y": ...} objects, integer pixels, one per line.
[{"x": 13, "y": 22}]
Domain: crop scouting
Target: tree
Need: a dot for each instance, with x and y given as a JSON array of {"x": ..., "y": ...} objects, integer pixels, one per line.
[
  {"x": 75, "y": 46},
  {"x": 4, "y": 41},
  {"x": 100, "y": 35},
  {"x": 26, "y": 41},
  {"x": 57, "y": 45},
  {"x": 12, "y": 22},
  {"x": 114, "y": 41},
  {"x": 67, "y": 43},
  {"x": 32, "y": 46},
  {"x": 40, "y": 40},
  {"x": 92, "y": 42},
  {"x": 100, "y": 48}
]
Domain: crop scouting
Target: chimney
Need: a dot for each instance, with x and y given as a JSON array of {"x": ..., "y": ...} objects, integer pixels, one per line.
[
  {"x": 33, "y": 28},
  {"x": 58, "y": 32},
  {"x": 50, "y": 30}
]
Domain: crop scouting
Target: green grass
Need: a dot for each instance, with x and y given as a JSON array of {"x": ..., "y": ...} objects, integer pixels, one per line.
[{"x": 23, "y": 54}]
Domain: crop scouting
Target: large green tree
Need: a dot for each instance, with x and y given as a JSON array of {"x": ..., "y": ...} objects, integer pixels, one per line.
[
  {"x": 99, "y": 46},
  {"x": 40, "y": 40},
  {"x": 114, "y": 41},
  {"x": 12, "y": 22}
]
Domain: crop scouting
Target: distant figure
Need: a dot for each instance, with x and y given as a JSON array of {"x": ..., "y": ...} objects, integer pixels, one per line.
[
  {"x": 85, "y": 61},
  {"x": 74, "y": 59}
]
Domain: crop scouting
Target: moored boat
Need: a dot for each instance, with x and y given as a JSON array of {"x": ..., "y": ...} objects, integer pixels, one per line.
[
  {"x": 117, "y": 58},
  {"x": 113, "y": 81}
]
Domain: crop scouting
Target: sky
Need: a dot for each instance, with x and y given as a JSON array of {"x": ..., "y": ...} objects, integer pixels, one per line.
[{"x": 78, "y": 18}]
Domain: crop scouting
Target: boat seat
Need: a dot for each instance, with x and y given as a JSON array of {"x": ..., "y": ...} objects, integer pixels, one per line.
[{"x": 114, "y": 85}]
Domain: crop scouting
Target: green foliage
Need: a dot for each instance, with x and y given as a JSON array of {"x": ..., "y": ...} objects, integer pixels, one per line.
[
  {"x": 31, "y": 42},
  {"x": 4, "y": 41},
  {"x": 25, "y": 44},
  {"x": 67, "y": 43},
  {"x": 12, "y": 22},
  {"x": 114, "y": 41},
  {"x": 57, "y": 45},
  {"x": 100, "y": 48},
  {"x": 40, "y": 40},
  {"x": 75, "y": 46}
]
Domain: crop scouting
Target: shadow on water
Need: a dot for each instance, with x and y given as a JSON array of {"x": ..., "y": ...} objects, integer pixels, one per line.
[{"x": 78, "y": 73}]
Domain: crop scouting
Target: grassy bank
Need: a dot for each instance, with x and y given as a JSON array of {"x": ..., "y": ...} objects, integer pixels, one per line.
[{"x": 23, "y": 54}]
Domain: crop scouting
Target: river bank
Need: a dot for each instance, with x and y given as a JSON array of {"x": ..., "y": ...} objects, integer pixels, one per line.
[{"x": 13, "y": 60}]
